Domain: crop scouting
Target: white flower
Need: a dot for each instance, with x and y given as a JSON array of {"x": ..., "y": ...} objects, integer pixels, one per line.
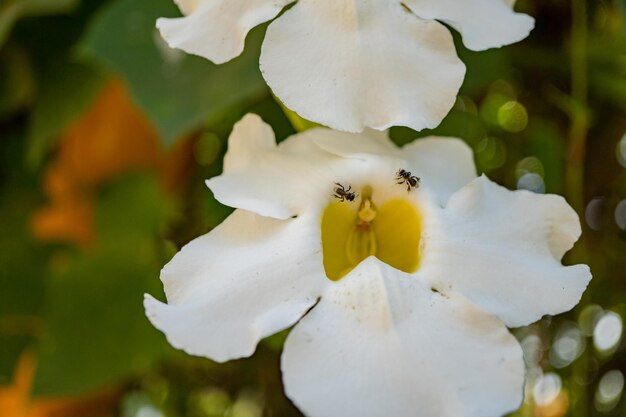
[
  {"x": 351, "y": 64},
  {"x": 410, "y": 288}
]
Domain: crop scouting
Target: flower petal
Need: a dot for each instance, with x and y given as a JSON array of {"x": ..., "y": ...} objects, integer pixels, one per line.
[
  {"x": 443, "y": 164},
  {"x": 217, "y": 29},
  {"x": 351, "y": 64},
  {"x": 502, "y": 250},
  {"x": 347, "y": 145},
  {"x": 249, "y": 278},
  {"x": 483, "y": 24},
  {"x": 292, "y": 178},
  {"x": 380, "y": 343},
  {"x": 267, "y": 179}
]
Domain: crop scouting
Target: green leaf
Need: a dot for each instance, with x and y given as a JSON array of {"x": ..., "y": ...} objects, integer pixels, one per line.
[
  {"x": 12, "y": 10},
  {"x": 178, "y": 92},
  {"x": 66, "y": 92},
  {"x": 21, "y": 281},
  {"x": 97, "y": 332},
  {"x": 22, "y": 260}
]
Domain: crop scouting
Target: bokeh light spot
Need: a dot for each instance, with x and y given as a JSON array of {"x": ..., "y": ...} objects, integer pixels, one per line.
[
  {"x": 247, "y": 405},
  {"x": 209, "y": 402},
  {"x": 567, "y": 346},
  {"x": 594, "y": 213},
  {"x": 467, "y": 105},
  {"x": 547, "y": 388},
  {"x": 609, "y": 390},
  {"x": 531, "y": 182},
  {"x": 490, "y": 106},
  {"x": 490, "y": 153},
  {"x": 607, "y": 332},
  {"x": 530, "y": 173},
  {"x": 149, "y": 411},
  {"x": 620, "y": 214},
  {"x": 621, "y": 151},
  {"x": 588, "y": 318},
  {"x": 512, "y": 116},
  {"x": 529, "y": 165}
]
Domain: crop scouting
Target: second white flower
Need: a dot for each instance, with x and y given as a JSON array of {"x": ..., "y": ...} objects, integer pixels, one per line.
[{"x": 352, "y": 64}]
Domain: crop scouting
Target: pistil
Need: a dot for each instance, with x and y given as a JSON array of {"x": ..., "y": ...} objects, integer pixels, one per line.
[{"x": 362, "y": 239}]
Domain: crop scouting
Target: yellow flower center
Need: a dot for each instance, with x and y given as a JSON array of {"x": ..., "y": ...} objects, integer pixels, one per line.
[{"x": 351, "y": 233}]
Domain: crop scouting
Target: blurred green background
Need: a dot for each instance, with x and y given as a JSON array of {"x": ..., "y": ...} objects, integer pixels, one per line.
[{"x": 107, "y": 135}]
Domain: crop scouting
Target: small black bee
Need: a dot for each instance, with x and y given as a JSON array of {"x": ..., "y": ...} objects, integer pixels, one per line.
[
  {"x": 405, "y": 177},
  {"x": 342, "y": 194}
]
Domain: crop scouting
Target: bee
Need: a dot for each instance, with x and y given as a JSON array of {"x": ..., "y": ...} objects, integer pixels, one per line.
[
  {"x": 342, "y": 194},
  {"x": 405, "y": 177}
]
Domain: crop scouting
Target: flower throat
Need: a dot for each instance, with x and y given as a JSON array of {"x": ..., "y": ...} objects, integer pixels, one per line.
[{"x": 351, "y": 233}]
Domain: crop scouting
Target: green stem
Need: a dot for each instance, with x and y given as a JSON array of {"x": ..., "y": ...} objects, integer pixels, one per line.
[
  {"x": 575, "y": 171},
  {"x": 574, "y": 175}
]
